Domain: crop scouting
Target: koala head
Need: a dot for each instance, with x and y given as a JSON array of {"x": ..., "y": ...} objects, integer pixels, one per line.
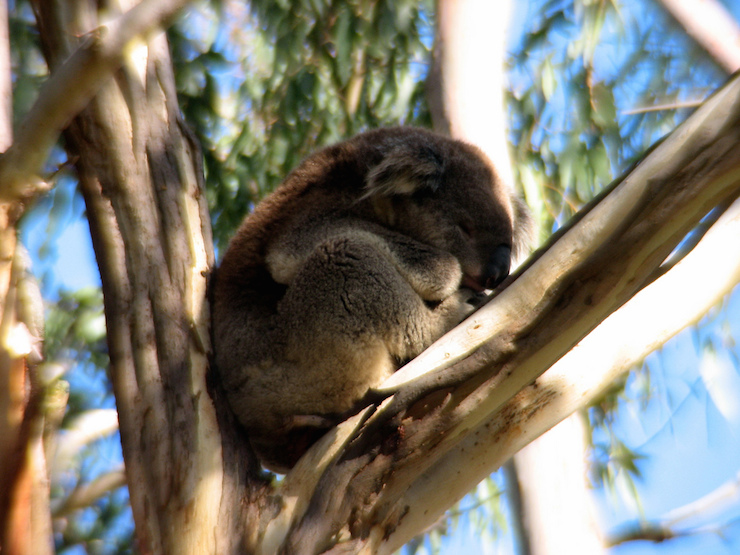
[{"x": 446, "y": 193}]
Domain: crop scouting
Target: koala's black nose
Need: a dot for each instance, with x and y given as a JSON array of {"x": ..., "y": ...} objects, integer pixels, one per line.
[{"x": 497, "y": 267}]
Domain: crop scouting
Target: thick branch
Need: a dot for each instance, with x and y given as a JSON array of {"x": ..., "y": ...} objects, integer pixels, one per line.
[
  {"x": 646, "y": 322},
  {"x": 635, "y": 226},
  {"x": 586, "y": 274}
]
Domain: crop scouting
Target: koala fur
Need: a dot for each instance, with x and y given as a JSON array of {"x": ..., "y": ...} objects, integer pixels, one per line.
[{"x": 368, "y": 252}]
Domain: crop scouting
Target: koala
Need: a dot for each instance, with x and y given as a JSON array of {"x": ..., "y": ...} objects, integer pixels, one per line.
[{"x": 368, "y": 252}]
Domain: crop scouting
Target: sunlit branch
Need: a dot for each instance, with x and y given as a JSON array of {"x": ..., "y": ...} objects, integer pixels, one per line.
[
  {"x": 70, "y": 88},
  {"x": 712, "y": 26},
  {"x": 87, "y": 494}
]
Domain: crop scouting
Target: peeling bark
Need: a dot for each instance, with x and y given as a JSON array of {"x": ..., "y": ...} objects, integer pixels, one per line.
[
  {"x": 25, "y": 523},
  {"x": 587, "y": 272}
]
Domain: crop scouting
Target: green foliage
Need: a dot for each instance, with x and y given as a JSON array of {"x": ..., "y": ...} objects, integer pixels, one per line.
[
  {"x": 613, "y": 464},
  {"x": 102, "y": 529},
  {"x": 75, "y": 339},
  {"x": 584, "y": 80},
  {"x": 578, "y": 76},
  {"x": 75, "y": 343},
  {"x": 75, "y": 324},
  {"x": 28, "y": 66},
  {"x": 266, "y": 86}
]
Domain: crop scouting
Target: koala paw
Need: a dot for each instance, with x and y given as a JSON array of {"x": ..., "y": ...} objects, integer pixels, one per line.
[
  {"x": 475, "y": 299},
  {"x": 458, "y": 306}
]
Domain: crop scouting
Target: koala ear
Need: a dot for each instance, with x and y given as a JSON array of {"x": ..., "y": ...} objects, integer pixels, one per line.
[
  {"x": 523, "y": 229},
  {"x": 404, "y": 170}
]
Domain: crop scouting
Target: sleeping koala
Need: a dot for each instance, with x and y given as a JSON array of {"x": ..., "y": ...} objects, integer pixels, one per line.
[{"x": 368, "y": 252}]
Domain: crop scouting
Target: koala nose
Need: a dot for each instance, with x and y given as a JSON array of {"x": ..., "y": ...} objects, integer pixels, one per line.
[{"x": 497, "y": 267}]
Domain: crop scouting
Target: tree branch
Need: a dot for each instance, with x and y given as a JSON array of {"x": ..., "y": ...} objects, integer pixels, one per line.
[
  {"x": 631, "y": 224},
  {"x": 85, "y": 495},
  {"x": 712, "y": 26},
  {"x": 70, "y": 88},
  {"x": 585, "y": 274},
  {"x": 646, "y": 322}
]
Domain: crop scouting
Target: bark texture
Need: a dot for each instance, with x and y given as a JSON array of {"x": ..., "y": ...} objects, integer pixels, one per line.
[
  {"x": 25, "y": 522},
  {"x": 469, "y": 104},
  {"x": 141, "y": 177},
  {"x": 587, "y": 272}
]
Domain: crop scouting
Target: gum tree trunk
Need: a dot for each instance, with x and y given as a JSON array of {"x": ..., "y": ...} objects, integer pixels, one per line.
[
  {"x": 140, "y": 174},
  {"x": 469, "y": 104}
]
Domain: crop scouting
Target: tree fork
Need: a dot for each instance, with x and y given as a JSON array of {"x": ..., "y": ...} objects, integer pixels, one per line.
[
  {"x": 592, "y": 269},
  {"x": 194, "y": 486}
]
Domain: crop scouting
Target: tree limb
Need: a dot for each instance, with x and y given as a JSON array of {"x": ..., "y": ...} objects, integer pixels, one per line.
[
  {"x": 70, "y": 88},
  {"x": 587, "y": 273},
  {"x": 85, "y": 495},
  {"x": 646, "y": 322},
  {"x": 712, "y": 26}
]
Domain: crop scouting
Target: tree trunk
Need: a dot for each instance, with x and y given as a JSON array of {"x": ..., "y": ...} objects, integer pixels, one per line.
[
  {"x": 465, "y": 87},
  {"x": 712, "y": 26},
  {"x": 25, "y": 520},
  {"x": 558, "y": 512},
  {"x": 141, "y": 177}
]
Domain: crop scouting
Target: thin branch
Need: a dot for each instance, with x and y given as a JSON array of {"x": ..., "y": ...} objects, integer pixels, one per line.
[
  {"x": 712, "y": 26},
  {"x": 70, "y": 88},
  {"x": 659, "y": 532},
  {"x": 725, "y": 495},
  {"x": 662, "y": 107},
  {"x": 88, "y": 427},
  {"x": 85, "y": 495}
]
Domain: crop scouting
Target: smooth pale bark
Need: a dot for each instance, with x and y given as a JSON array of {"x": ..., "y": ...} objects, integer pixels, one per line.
[
  {"x": 468, "y": 103},
  {"x": 71, "y": 87},
  {"x": 712, "y": 26},
  {"x": 646, "y": 322},
  {"x": 558, "y": 512},
  {"x": 443, "y": 400},
  {"x": 141, "y": 176},
  {"x": 465, "y": 88}
]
